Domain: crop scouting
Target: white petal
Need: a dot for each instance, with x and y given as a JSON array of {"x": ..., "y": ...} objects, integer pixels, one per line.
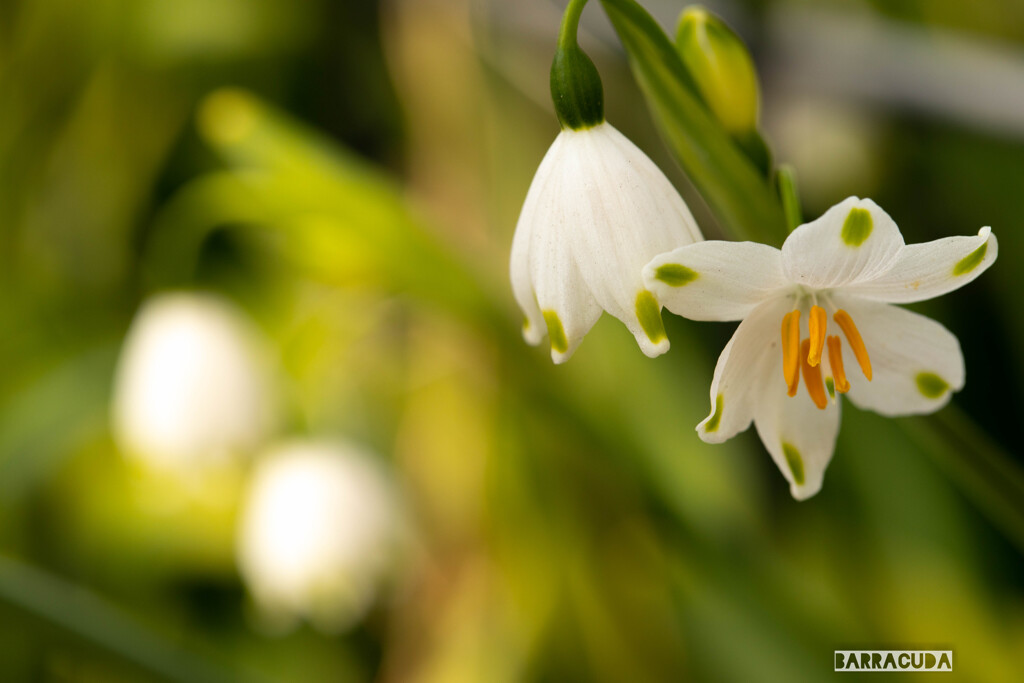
[
  {"x": 632, "y": 213},
  {"x": 545, "y": 278},
  {"x": 568, "y": 308},
  {"x": 925, "y": 271},
  {"x": 799, "y": 436},
  {"x": 541, "y": 199},
  {"x": 916, "y": 362},
  {"x": 854, "y": 241},
  {"x": 522, "y": 286},
  {"x": 716, "y": 280},
  {"x": 598, "y": 210},
  {"x": 743, "y": 372}
]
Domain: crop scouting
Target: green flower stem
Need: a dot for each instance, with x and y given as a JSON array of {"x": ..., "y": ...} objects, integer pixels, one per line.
[
  {"x": 786, "y": 180},
  {"x": 977, "y": 465},
  {"x": 100, "y": 624},
  {"x": 570, "y": 24}
]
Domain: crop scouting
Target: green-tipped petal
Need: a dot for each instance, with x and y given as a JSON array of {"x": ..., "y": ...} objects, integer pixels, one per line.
[
  {"x": 716, "y": 280},
  {"x": 597, "y": 211},
  {"x": 917, "y": 363},
  {"x": 852, "y": 243},
  {"x": 925, "y": 271}
]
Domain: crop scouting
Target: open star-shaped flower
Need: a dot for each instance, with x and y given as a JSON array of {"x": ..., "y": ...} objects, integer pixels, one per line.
[
  {"x": 819, "y": 309},
  {"x": 597, "y": 211}
]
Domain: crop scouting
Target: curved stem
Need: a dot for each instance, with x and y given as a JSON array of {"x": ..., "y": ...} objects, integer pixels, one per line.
[{"x": 570, "y": 23}]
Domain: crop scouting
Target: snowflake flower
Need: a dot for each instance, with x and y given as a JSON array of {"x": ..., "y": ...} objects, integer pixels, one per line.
[
  {"x": 194, "y": 385},
  {"x": 597, "y": 211},
  {"x": 321, "y": 533},
  {"x": 830, "y": 287}
]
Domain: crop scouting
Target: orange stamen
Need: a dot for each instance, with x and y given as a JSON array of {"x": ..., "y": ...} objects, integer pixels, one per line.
[
  {"x": 812, "y": 377},
  {"x": 790, "y": 350},
  {"x": 816, "y": 324},
  {"x": 853, "y": 337},
  {"x": 835, "y": 359}
]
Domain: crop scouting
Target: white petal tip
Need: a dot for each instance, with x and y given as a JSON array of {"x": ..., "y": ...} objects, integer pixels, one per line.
[
  {"x": 644, "y": 321},
  {"x": 802, "y": 493},
  {"x": 559, "y": 357},
  {"x": 709, "y": 429},
  {"x": 532, "y": 335},
  {"x": 648, "y": 274},
  {"x": 985, "y": 232},
  {"x": 709, "y": 437},
  {"x": 653, "y": 349}
]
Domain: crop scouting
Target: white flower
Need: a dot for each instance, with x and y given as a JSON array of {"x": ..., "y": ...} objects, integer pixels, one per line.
[
  {"x": 597, "y": 211},
  {"x": 320, "y": 531},
  {"x": 832, "y": 281},
  {"x": 192, "y": 384}
]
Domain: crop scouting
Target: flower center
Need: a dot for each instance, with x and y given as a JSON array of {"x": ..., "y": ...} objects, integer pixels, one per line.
[{"x": 804, "y": 357}]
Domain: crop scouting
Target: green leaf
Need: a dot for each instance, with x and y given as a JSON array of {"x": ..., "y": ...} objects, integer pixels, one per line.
[
  {"x": 340, "y": 216},
  {"x": 741, "y": 197},
  {"x": 95, "y": 621},
  {"x": 39, "y": 423}
]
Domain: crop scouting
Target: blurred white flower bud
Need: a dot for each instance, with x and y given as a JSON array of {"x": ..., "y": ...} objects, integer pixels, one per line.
[
  {"x": 321, "y": 532},
  {"x": 192, "y": 386}
]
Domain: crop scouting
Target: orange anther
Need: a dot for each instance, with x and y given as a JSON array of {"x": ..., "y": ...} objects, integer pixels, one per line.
[
  {"x": 790, "y": 350},
  {"x": 853, "y": 337},
  {"x": 835, "y": 359},
  {"x": 816, "y": 323},
  {"x": 812, "y": 377}
]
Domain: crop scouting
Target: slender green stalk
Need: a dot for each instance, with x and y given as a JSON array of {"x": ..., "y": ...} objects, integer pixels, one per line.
[
  {"x": 977, "y": 465},
  {"x": 788, "y": 192},
  {"x": 570, "y": 23}
]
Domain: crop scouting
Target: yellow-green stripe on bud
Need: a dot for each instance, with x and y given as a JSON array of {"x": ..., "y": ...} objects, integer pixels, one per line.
[{"x": 722, "y": 68}]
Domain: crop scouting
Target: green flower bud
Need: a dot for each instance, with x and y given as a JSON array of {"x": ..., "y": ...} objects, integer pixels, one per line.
[
  {"x": 722, "y": 68},
  {"x": 576, "y": 89},
  {"x": 575, "y": 84}
]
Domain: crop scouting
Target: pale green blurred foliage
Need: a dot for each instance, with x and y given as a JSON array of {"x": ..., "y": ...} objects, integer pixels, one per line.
[{"x": 569, "y": 524}]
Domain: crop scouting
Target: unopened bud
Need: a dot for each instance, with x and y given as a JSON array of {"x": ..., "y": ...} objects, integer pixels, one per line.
[{"x": 722, "y": 68}]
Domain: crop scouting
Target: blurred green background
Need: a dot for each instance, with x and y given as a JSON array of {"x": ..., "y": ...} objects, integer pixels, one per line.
[{"x": 349, "y": 175}]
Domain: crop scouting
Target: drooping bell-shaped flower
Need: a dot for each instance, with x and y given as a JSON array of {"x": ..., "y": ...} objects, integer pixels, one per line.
[
  {"x": 193, "y": 385},
  {"x": 597, "y": 211},
  {"x": 819, "y": 309},
  {"x": 321, "y": 533}
]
